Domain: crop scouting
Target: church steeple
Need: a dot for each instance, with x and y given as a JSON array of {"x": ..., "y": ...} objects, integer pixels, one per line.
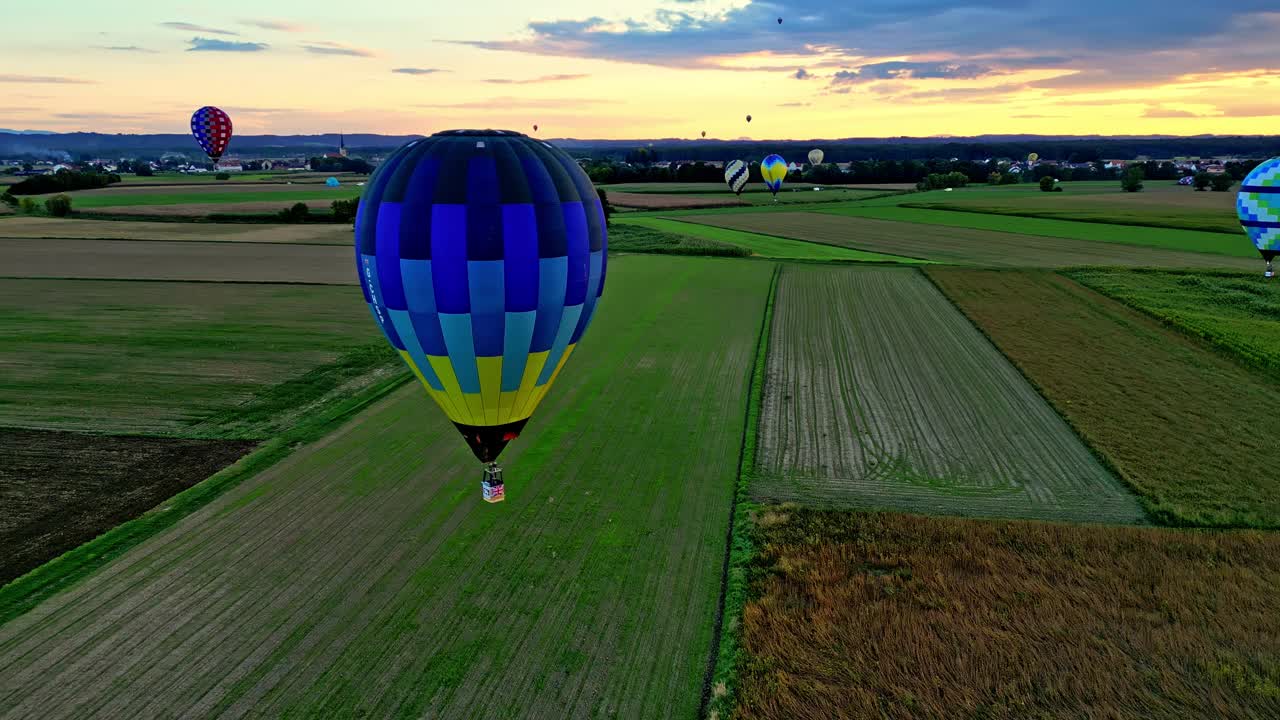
[{"x": 342, "y": 145}]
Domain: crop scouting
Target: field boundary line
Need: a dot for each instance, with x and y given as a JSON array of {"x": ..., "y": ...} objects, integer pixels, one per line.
[
  {"x": 722, "y": 662},
  {"x": 27, "y": 591},
  {"x": 830, "y": 261},
  {"x": 1154, "y": 516},
  {"x": 1030, "y": 214},
  {"x": 1204, "y": 338}
]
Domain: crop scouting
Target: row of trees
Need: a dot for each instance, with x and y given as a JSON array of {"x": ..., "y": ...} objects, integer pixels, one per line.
[{"x": 63, "y": 181}]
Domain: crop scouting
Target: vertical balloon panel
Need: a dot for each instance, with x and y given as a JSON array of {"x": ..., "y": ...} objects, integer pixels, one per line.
[{"x": 482, "y": 255}]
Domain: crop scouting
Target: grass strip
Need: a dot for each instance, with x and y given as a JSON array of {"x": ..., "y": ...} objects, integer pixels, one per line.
[
  {"x": 726, "y": 639},
  {"x": 29, "y": 590}
]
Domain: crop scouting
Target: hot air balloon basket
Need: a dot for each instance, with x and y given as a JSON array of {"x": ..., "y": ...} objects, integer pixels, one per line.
[{"x": 491, "y": 488}]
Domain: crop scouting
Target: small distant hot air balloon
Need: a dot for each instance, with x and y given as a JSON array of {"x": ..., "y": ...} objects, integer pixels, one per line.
[
  {"x": 482, "y": 255},
  {"x": 1033, "y": 157},
  {"x": 704, "y": 133},
  {"x": 815, "y": 157},
  {"x": 1258, "y": 205},
  {"x": 331, "y": 181},
  {"x": 535, "y": 128},
  {"x": 212, "y": 130},
  {"x": 779, "y": 21},
  {"x": 735, "y": 174},
  {"x": 773, "y": 170},
  {"x": 748, "y": 118}
]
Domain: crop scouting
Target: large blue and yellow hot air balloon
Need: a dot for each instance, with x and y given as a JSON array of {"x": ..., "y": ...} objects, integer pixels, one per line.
[
  {"x": 482, "y": 256},
  {"x": 1258, "y": 205},
  {"x": 773, "y": 170}
]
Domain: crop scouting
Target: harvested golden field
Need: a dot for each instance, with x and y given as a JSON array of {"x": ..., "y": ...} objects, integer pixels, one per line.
[{"x": 863, "y": 615}]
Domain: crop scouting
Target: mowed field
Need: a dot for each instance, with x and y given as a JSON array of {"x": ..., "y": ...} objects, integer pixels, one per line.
[
  {"x": 362, "y": 577},
  {"x": 962, "y": 246},
  {"x": 877, "y": 615},
  {"x": 1167, "y": 238},
  {"x": 170, "y": 358},
  {"x": 1162, "y": 203},
  {"x": 763, "y": 245},
  {"x": 1190, "y": 429},
  {"x": 221, "y": 194},
  {"x": 176, "y": 260},
  {"x": 29, "y": 227},
  {"x": 880, "y": 394}
]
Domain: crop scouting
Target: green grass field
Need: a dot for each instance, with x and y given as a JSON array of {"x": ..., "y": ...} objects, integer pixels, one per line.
[
  {"x": 1187, "y": 428},
  {"x": 1183, "y": 240},
  {"x": 642, "y": 238},
  {"x": 763, "y": 245},
  {"x": 961, "y": 246},
  {"x": 1238, "y": 313},
  {"x": 196, "y": 360},
  {"x": 362, "y": 576},
  {"x": 881, "y": 395}
]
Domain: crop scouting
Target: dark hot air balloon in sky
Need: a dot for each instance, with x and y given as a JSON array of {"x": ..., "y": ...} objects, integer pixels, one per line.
[
  {"x": 481, "y": 254},
  {"x": 212, "y": 130},
  {"x": 748, "y": 118}
]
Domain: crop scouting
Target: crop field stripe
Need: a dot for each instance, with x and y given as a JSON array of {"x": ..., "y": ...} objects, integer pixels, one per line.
[
  {"x": 770, "y": 246},
  {"x": 27, "y": 591},
  {"x": 180, "y": 260},
  {"x": 1144, "y": 236},
  {"x": 881, "y": 394},
  {"x": 1187, "y": 428},
  {"x": 722, "y": 663},
  {"x": 364, "y": 576},
  {"x": 961, "y": 246}
]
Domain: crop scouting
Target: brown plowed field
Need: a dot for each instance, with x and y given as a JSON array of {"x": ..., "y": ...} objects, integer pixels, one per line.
[{"x": 100, "y": 481}]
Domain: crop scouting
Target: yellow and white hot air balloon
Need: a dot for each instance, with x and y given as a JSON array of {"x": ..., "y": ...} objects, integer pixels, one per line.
[{"x": 815, "y": 157}]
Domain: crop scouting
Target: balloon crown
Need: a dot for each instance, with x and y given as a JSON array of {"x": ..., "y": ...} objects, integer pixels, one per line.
[{"x": 478, "y": 133}]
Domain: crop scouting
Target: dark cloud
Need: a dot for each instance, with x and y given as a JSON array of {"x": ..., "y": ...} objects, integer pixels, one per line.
[
  {"x": 417, "y": 71},
  {"x": 124, "y": 48},
  {"x": 200, "y": 44},
  {"x": 333, "y": 48},
  {"x": 802, "y": 74},
  {"x": 278, "y": 25},
  {"x": 44, "y": 80},
  {"x": 1250, "y": 111},
  {"x": 508, "y": 103},
  {"x": 190, "y": 27},
  {"x": 909, "y": 70},
  {"x": 535, "y": 81},
  {"x": 1173, "y": 38}
]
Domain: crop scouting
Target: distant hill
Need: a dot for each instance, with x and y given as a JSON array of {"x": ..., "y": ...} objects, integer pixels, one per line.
[{"x": 36, "y": 143}]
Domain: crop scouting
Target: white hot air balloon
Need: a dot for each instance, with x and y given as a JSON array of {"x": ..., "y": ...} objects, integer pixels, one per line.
[{"x": 815, "y": 157}]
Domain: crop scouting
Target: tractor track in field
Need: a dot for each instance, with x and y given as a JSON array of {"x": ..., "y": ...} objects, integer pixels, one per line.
[{"x": 881, "y": 394}]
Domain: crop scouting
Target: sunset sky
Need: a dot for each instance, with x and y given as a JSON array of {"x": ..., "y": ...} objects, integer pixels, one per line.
[{"x": 646, "y": 68}]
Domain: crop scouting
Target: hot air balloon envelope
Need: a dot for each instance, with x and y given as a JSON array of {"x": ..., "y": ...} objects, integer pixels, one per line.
[
  {"x": 774, "y": 171},
  {"x": 212, "y": 130},
  {"x": 748, "y": 118},
  {"x": 815, "y": 157},
  {"x": 735, "y": 174},
  {"x": 481, "y": 254},
  {"x": 1258, "y": 205},
  {"x": 331, "y": 182},
  {"x": 1033, "y": 157}
]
